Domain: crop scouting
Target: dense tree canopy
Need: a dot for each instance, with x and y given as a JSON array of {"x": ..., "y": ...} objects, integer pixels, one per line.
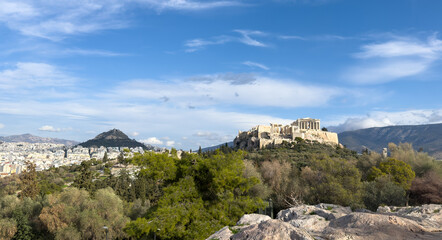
[{"x": 159, "y": 194}]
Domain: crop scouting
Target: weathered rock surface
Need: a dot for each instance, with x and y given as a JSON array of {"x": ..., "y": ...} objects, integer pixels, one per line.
[
  {"x": 429, "y": 216},
  {"x": 223, "y": 234},
  {"x": 253, "y": 218},
  {"x": 272, "y": 229},
  {"x": 375, "y": 226},
  {"x": 333, "y": 222}
]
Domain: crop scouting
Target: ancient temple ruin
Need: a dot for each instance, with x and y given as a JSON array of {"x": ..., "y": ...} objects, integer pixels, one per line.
[{"x": 262, "y": 136}]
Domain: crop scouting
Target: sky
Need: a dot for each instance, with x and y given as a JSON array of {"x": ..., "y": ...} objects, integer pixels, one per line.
[{"x": 190, "y": 73}]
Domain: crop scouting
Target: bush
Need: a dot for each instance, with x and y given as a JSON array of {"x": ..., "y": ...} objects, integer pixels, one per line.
[
  {"x": 383, "y": 191},
  {"x": 426, "y": 189}
]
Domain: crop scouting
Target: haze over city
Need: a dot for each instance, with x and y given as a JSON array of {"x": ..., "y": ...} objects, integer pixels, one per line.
[{"x": 185, "y": 74}]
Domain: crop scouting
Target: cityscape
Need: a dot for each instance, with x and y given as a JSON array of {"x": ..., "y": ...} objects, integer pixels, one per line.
[{"x": 13, "y": 156}]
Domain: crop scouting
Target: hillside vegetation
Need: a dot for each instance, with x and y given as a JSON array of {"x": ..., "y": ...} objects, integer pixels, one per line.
[{"x": 192, "y": 197}]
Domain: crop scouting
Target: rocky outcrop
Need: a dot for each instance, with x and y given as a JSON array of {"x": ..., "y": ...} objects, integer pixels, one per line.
[
  {"x": 223, "y": 234},
  {"x": 250, "y": 219},
  {"x": 374, "y": 226},
  {"x": 272, "y": 229},
  {"x": 428, "y": 216},
  {"x": 333, "y": 222}
]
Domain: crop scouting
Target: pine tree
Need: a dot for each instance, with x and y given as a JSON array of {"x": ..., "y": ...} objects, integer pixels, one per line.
[
  {"x": 84, "y": 180},
  {"x": 30, "y": 186}
]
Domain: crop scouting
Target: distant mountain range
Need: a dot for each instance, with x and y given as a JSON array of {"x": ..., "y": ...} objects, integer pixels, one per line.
[
  {"x": 428, "y": 137},
  {"x": 29, "y": 138},
  {"x": 113, "y": 138},
  {"x": 206, "y": 149}
]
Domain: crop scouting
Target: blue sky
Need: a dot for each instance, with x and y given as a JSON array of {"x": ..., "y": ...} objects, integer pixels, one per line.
[{"x": 186, "y": 73}]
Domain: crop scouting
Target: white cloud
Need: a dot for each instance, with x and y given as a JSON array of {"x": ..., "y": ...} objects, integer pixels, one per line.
[
  {"x": 2, "y": 125},
  {"x": 175, "y": 108},
  {"x": 255, "y": 64},
  {"x": 399, "y": 48},
  {"x": 135, "y": 134},
  {"x": 386, "y": 71},
  {"x": 197, "y": 44},
  {"x": 382, "y": 119},
  {"x": 246, "y": 38},
  {"x": 16, "y": 10},
  {"x": 29, "y": 75},
  {"x": 152, "y": 141},
  {"x": 170, "y": 143},
  {"x": 187, "y": 5},
  {"x": 213, "y": 137},
  {"x": 394, "y": 60},
  {"x": 213, "y": 90},
  {"x": 48, "y": 128},
  {"x": 91, "y": 52},
  {"x": 57, "y": 19}
]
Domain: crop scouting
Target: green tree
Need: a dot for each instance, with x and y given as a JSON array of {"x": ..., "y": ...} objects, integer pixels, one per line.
[
  {"x": 333, "y": 181},
  {"x": 75, "y": 213},
  {"x": 383, "y": 191},
  {"x": 28, "y": 178},
  {"x": 105, "y": 157},
  {"x": 202, "y": 194},
  {"x": 399, "y": 171},
  {"x": 24, "y": 230},
  {"x": 84, "y": 179},
  {"x": 8, "y": 228},
  {"x": 420, "y": 162}
]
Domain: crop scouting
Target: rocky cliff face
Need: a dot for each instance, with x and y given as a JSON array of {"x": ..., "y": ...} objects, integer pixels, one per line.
[{"x": 333, "y": 222}]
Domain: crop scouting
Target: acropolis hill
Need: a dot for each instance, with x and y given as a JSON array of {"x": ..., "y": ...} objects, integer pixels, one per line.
[{"x": 263, "y": 136}]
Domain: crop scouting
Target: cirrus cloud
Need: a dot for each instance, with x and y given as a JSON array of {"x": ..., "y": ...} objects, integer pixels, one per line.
[
  {"x": 394, "y": 60},
  {"x": 56, "y": 20}
]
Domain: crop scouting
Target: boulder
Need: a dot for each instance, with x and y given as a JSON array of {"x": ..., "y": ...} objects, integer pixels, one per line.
[
  {"x": 331, "y": 211},
  {"x": 295, "y": 212},
  {"x": 253, "y": 218},
  {"x": 314, "y": 224},
  {"x": 223, "y": 234},
  {"x": 375, "y": 226},
  {"x": 383, "y": 209},
  {"x": 272, "y": 229}
]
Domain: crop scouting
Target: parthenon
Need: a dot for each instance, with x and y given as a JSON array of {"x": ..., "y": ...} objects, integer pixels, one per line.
[{"x": 262, "y": 136}]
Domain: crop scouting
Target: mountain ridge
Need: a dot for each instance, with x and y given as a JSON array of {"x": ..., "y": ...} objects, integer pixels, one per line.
[
  {"x": 427, "y": 137},
  {"x": 29, "y": 138}
]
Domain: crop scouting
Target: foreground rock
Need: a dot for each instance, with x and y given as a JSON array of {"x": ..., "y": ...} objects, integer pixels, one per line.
[
  {"x": 375, "y": 226},
  {"x": 333, "y": 222},
  {"x": 224, "y": 234},
  {"x": 272, "y": 229},
  {"x": 428, "y": 216},
  {"x": 250, "y": 219}
]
